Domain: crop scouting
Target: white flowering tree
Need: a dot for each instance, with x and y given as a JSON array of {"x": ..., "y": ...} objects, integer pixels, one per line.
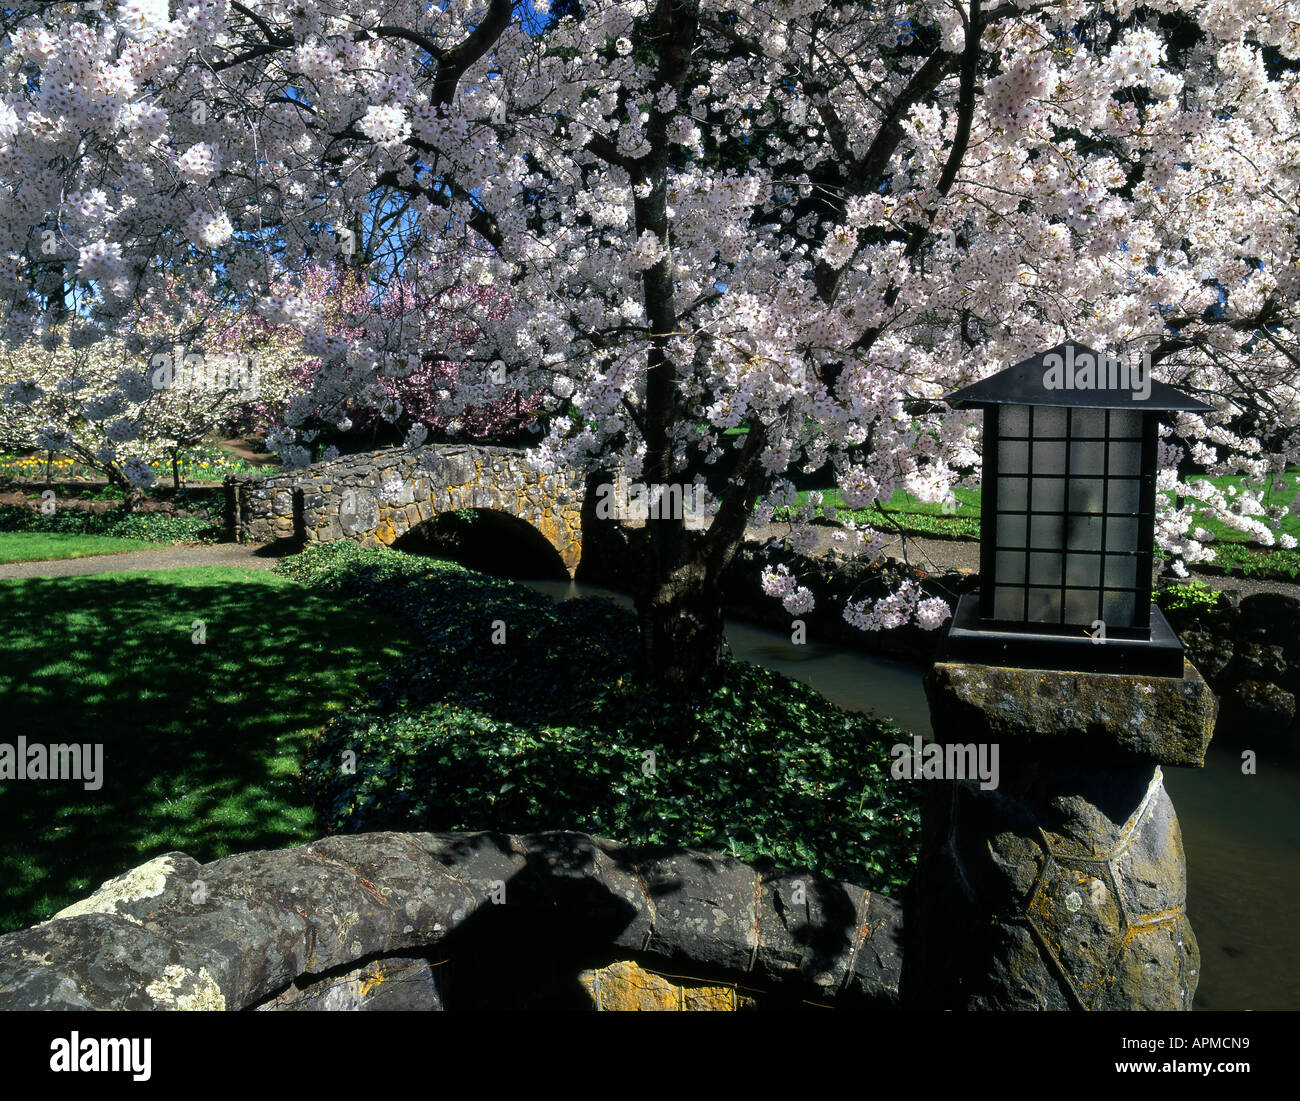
[
  {"x": 121, "y": 405},
  {"x": 797, "y": 219}
]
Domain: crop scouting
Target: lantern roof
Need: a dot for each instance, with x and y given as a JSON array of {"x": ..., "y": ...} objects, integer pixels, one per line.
[{"x": 1074, "y": 374}]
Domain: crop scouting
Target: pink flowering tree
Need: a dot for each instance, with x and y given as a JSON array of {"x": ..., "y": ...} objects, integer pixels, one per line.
[
  {"x": 801, "y": 220},
  {"x": 416, "y": 397}
]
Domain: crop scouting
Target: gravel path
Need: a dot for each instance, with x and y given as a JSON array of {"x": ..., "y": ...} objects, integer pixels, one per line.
[{"x": 164, "y": 558}]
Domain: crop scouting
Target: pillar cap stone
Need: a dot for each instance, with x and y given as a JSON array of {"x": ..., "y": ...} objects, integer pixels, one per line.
[{"x": 1166, "y": 720}]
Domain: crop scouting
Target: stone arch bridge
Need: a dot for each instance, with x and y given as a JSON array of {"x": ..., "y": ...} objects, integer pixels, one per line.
[{"x": 378, "y": 496}]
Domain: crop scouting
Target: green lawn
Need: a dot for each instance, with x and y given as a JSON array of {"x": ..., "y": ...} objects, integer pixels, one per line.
[
  {"x": 38, "y": 546},
  {"x": 202, "y": 743}
]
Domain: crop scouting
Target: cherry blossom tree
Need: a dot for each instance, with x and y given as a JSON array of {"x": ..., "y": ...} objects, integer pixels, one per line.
[{"x": 801, "y": 220}]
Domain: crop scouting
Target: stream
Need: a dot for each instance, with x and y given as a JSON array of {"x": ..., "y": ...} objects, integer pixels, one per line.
[{"x": 1241, "y": 833}]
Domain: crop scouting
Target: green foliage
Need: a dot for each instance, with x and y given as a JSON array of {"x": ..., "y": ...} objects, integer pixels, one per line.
[
  {"x": 1194, "y": 594},
  {"x": 148, "y": 527},
  {"x": 551, "y": 731}
]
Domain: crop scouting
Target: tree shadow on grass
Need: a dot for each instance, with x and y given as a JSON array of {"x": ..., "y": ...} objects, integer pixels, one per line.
[{"x": 203, "y": 687}]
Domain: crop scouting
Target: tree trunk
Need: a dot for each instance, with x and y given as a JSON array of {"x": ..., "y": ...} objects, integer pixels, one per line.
[
  {"x": 680, "y": 602},
  {"x": 176, "y": 473},
  {"x": 679, "y": 609},
  {"x": 131, "y": 496}
]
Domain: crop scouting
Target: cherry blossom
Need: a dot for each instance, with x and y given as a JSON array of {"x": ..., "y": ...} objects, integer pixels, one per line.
[{"x": 669, "y": 220}]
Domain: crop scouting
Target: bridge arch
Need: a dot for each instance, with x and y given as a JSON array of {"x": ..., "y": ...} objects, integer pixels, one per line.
[
  {"x": 488, "y": 540},
  {"x": 376, "y": 497}
]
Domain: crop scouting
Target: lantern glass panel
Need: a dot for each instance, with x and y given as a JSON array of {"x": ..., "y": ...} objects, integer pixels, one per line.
[
  {"x": 1044, "y": 605},
  {"x": 1045, "y": 532},
  {"x": 1081, "y": 605},
  {"x": 1121, "y": 533},
  {"x": 1011, "y": 567},
  {"x": 1049, "y": 495},
  {"x": 1014, "y": 421},
  {"x": 1083, "y": 570},
  {"x": 1124, "y": 424},
  {"x": 1126, "y": 457},
  {"x": 1011, "y": 532},
  {"x": 1069, "y": 499},
  {"x": 1008, "y": 602},
  {"x": 1045, "y": 569},
  {"x": 1049, "y": 457},
  {"x": 1121, "y": 571},
  {"x": 1124, "y": 495},
  {"x": 1049, "y": 420},
  {"x": 1013, "y": 457},
  {"x": 1087, "y": 457},
  {"x": 1117, "y": 608},
  {"x": 1083, "y": 533},
  {"x": 1088, "y": 422},
  {"x": 1013, "y": 494},
  {"x": 1087, "y": 495}
]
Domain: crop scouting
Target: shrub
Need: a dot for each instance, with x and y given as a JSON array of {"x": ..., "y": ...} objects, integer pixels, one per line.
[
  {"x": 552, "y": 731},
  {"x": 1194, "y": 594},
  {"x": 152, "y": 527}
]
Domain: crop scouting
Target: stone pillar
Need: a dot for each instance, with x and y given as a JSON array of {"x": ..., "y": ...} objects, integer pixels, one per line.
[{"x": 1065, "y": 886}]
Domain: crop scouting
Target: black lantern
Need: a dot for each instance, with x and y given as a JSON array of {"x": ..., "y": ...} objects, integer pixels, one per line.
[{"x": 1067, "y": 528}]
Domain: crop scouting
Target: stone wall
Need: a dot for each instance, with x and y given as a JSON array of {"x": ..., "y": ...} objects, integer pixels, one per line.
[
  {"x": 472, "y": 920},
  {"x": 1248, "y": 648},
  {"x": 378, "y": 496}
]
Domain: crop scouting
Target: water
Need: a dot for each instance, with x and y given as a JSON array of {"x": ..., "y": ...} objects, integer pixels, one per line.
[{"x": 1241, "y": 833}]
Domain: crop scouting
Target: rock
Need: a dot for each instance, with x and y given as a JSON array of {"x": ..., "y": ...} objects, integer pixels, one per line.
[
  {"x": 1258, "y": 661},
  {"x": 1167, "y": 720},
  {"x": 392, "y": 984},
  {"x": 1064, "y": 888},
  {"x": 1274, "y": 613},
  {"x": 359, "y": 922},
  {"x": 627, "y": 987},
  {"x": 1258, "y": 709},
  {"x": 1210, "y": 652}
]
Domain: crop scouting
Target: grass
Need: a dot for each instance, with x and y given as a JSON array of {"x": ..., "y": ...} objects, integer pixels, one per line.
[
  {"x": 202, "y": 743},
  {"x": 906, "y": 512},
  {"x": 35, "y": 546}
]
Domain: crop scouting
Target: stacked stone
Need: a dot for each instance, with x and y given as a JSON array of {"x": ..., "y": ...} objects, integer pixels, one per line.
[
  {"x": 1249, "y": 650},
  {"x": 375, "y": 498},
  {"x": 1065, "y": 886}
]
